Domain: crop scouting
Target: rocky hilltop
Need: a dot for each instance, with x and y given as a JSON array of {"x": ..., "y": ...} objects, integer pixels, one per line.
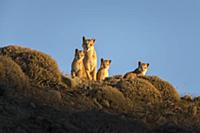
[{"x": 36, "y": 97}]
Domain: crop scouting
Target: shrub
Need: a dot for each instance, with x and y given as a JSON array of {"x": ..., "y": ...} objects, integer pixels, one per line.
[
  {"x": 12, "y": 78},
  {"x": 108, "y": 97},
  {"x": 168, "y": 92},
  {"x": 39, "y": 67},
  {"x": 140, "y": 92},
  {"x": 93, "y": 94}
]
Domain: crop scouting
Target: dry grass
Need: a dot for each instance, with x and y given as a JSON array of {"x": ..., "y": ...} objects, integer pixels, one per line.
[
  {"x": 168, "y": 92},
  {"x": 12, "y": 78},
  {"x": 39, "y": 67},
  {"x": 147, "y": 98},
  {"x": 107, "y": 96},
  {"x": 92, "y": 94},
  {"x": 136, "y": 95},
  {"x": 137, "y": 90},
  {"x": 143, "y": 96}
]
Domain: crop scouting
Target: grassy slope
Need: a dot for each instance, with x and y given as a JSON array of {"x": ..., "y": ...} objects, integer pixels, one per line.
[{"x": 34, "y": 95}]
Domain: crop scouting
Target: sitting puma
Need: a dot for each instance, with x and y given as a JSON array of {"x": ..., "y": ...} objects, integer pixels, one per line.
[
  {"x": 90, "y": 60},
  {"x": 78, "y": 68},
  {"x": 103, "y": 70}
]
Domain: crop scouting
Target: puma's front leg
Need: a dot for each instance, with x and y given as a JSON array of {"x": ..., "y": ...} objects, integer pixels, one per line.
[
  {"x": 88, "y": 75},
  {"x": 94, "y": 74}
]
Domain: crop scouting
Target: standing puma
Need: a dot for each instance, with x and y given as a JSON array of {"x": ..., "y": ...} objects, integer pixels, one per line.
[
  {"x": 140, "y": 71},
  {"x": 78, "y": 68},
  {"x": 103, "y": 70},
  {"x": 90, "y": 60}
]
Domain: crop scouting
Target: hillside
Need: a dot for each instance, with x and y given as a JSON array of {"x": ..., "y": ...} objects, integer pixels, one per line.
[{"x": 36, "y": 97}]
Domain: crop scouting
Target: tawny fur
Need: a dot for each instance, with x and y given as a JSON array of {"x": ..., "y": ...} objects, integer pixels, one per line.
[
  {"x": 90, "y": 60},
  {"x": 78, "y": 68},
  {"x": 140, "y": 71},
  {"x": 103, "y": 70}
]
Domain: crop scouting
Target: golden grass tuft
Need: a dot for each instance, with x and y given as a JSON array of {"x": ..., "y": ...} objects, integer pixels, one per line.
[{"x": 39, "y": 67}]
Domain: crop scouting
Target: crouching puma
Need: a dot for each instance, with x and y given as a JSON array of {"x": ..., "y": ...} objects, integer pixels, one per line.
[{"x": 140, "y": 71}]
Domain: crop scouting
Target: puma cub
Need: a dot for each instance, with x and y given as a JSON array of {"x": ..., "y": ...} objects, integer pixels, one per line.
[
  {"x": 140, "y": 71},
  {"x": 78, "y": 68},
  {"x": 103, "y": 70},
  {"x": 90, "y": 60}
]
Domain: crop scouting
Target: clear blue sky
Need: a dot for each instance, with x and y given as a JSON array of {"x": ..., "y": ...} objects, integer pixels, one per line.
[{"x": 165, "y": 33}]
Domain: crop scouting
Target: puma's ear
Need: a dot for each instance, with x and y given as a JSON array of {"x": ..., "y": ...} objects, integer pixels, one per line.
[
  {"x": 101, "y": 59},
  {"x": 83, "y": 38},
  {"x": 148, "y": 64},
  {"x": 76, "y": 50},
  {"x": 94, "y": 40},
  {"x": 110, "y": 61},
  {"x": 139, "y": 63}
]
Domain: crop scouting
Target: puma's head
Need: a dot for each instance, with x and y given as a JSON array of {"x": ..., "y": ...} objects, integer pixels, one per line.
[{"x": 88, "y": 44}]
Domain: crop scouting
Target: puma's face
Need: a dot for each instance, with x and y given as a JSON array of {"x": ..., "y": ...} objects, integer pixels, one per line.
[
  {"x": 143, "y": 66},
  {"x": 88, "y": 44},
  {"x": 79, "y": 54},
  {"x": 105, "y": 63}
]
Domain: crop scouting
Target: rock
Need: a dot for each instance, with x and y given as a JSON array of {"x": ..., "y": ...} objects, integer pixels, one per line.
[
  {"x": 187, "y": 98},
  {"x": 97, "y": 103},
  {"x": 71, "y": 82},
  {"x": 196, "y": 99},
  {"x": 107, "y": 96},
  {"x": 114, "y": 79},
  {"x": 106, "y": 103}
]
